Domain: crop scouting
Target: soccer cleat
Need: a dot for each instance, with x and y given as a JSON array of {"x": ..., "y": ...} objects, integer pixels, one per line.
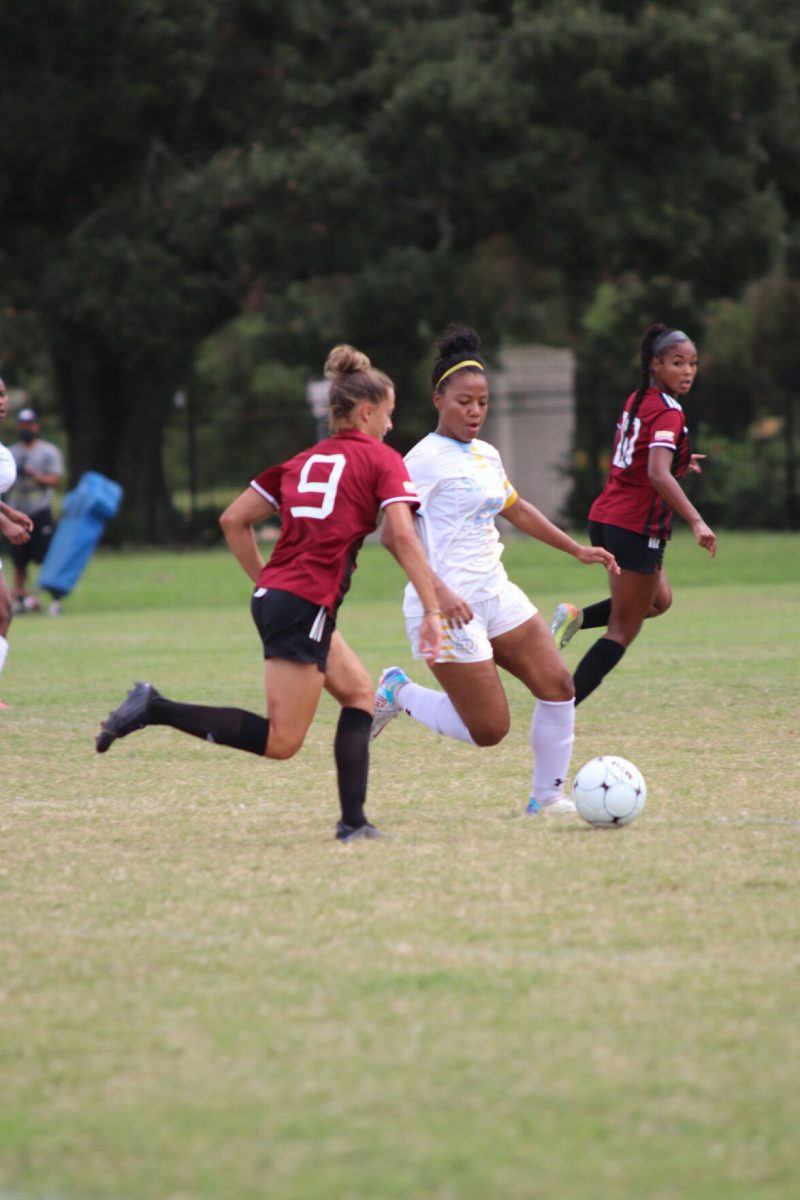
[
  {"x": 356, "y": 833},
  {"x": 131, "y": 715},
  {"x": 567, "y": 620},
  {"x": 387, "y": 706},
  {"x": 560, "y": 806},
  {"x": 56, "y": 609}
]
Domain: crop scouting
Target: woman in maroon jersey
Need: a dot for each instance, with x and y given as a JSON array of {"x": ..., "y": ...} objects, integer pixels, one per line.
[
  {"x": 328, "y": 498},
  {"x": 632, "y": 515}
]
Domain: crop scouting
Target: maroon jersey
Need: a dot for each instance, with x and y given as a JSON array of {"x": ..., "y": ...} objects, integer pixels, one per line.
[
  {"x": 629, "y": 498},
  {"x": 328, "y": 498}
]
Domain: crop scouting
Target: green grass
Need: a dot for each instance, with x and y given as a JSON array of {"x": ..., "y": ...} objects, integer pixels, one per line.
[{"x": 203, "y": 996}]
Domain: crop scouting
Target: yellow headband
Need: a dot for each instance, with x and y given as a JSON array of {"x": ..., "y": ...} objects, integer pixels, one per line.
[{"x": 468, "y": 362}]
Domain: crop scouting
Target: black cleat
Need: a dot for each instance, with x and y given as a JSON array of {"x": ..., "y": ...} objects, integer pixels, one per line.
[
  {"x": 355, "y": 833},
  {"x": 131, "y": 715}
]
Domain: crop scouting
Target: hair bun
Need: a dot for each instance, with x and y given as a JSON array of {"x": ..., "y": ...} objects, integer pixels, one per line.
[
  {"x": 345, "y": 360},
  {"x": 654, "y": 331},
  {"x": 457, "y": 339}
]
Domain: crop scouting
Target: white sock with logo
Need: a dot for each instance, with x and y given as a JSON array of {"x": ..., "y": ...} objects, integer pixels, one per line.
[
  {"x": 434, "y": 709},
  {"x": 3, "y": 651},
  {"x": 552, "y": 735}
]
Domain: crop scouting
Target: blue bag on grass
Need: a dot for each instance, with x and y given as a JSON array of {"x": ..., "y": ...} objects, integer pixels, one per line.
[{"x": 84, "y": 514}]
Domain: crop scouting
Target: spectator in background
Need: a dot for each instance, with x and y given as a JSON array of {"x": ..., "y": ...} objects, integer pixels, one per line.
[
  {"x": 39, "y": 469},
  {"x": 14, "y": 525}
]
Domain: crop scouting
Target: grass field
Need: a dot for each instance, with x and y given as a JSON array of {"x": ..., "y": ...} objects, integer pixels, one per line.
[{"x": 204, "y": 996}]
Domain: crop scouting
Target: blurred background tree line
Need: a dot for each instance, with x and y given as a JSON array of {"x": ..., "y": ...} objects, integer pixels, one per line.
[{"x": 199, "y": 197}]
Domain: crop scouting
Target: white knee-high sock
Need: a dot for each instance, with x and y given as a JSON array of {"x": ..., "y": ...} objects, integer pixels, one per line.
[
  {"x": 552, "y": 735},
  {"x": 3, "y": 651},
  {"x": 434, "y": 709}
]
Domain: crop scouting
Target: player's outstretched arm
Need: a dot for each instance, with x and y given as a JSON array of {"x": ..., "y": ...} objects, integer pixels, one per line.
[
  {"x": 13, "y": 530},
  {"x": 238, "y": 523},
  {"x": 659, "y": 472},
  {"x": 400, "y": 538},
  {"x": 528, "y": 519},
  {"x": 16, "y": 517},
  {"x": 452, "y": 607}
]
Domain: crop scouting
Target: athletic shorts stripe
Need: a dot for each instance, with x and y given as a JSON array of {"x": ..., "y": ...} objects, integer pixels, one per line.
[
  {"x": 292, "y": 628},
  {"x": 491, "y": 619},
  {"x": 318, "y": 628},
  {"x": 633, "y": 551}
]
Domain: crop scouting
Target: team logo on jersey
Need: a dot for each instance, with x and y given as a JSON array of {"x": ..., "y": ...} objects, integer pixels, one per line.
[{"x": 665, "y": 435}]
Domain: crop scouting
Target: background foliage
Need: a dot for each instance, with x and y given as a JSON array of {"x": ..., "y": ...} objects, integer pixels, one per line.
[{"x": 276, "y": 176}]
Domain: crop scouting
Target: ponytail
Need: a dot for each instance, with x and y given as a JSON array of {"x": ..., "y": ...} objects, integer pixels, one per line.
[{"x": 646, "y": 354}]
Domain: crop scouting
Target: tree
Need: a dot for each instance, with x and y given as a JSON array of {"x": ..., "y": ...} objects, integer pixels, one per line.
[{"x": 368, "y": 172}]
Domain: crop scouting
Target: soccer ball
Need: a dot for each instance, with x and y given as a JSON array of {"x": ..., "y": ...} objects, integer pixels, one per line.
[{"x": 609, "y": 791}]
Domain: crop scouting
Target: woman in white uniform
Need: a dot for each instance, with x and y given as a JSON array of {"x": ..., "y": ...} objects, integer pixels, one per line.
[
  {"x": 13, "y": 525},
  {"x": 487, "y": 621}
]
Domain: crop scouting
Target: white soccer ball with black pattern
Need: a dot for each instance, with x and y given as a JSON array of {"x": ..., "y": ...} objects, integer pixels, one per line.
[{"x": 609, "y": 791}]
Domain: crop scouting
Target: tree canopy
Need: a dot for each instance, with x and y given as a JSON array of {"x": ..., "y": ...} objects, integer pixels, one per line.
[{"x": 370, "y": 171}]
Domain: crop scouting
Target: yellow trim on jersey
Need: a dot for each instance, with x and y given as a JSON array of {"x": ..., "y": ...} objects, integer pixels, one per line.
[
  {"x": 512, "y": 499},
  {"x": 468, "y": 362}
]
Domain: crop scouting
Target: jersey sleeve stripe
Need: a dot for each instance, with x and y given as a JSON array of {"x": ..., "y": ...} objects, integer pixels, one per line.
[
  {"x": 270, "y": 499},
  {"x": 512, "y": 499},
  {"x": 400, "y": 500},
  {"x": 662, "y": 446}
]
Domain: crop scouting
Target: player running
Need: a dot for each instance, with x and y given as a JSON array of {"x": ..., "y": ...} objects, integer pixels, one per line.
[
  {"x": 632, "y": 515},
  {"x": 487, "y": 620},
  {"x": 328, "y": 498}
]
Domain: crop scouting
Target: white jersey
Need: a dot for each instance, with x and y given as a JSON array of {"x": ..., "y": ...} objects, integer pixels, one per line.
[
  {"x": 8, "y": 469},
  {"x": 462, "y": 487}
]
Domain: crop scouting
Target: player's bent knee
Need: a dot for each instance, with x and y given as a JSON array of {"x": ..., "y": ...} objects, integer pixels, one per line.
[
  {"x": 281, "y": 748},
  {"x": 489, "y": 735},
  {"x": 558, "y": 689},
  {"x": 624, "y": 634},
  {"x": 364, "y": 698}
]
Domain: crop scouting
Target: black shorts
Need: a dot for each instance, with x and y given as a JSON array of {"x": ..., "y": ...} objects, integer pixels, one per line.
[
  {"x": 35, "y": 549},
  {"x": 292, "y": 628},
  {"x": 633, "y": 551}
]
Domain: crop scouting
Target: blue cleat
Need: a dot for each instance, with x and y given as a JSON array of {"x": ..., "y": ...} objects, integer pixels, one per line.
[{"x": 387, "y": 706}]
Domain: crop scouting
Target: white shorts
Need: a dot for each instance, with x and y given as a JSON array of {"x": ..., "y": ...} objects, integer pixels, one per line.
[{"x": 473, "y": 642}]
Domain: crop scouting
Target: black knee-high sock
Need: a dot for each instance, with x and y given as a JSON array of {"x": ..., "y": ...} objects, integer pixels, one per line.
[
  {"x": 226, "y": 726},
  {"x": 597, "y": 616},
  {"x": 601, "y": 658},
  {"x": 351, "y": 751}
]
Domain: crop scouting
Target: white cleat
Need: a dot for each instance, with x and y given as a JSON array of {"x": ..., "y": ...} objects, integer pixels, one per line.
[
  {"x": 559, "y": 806},
  {"x": 387, "y": 706},
  {"x": 567, "y": 620}
]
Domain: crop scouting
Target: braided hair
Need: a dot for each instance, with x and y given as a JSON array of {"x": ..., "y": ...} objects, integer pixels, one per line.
[
  {"x": 656, "y": 339},
  {"x": 457, "y": 344}
]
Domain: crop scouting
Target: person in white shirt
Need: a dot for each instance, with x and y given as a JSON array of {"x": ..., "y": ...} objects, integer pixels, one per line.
[
  {"x": 487, "y": 621},
  {"x": 15, "y": 526},
  {"x": 40, "y": 466}
]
